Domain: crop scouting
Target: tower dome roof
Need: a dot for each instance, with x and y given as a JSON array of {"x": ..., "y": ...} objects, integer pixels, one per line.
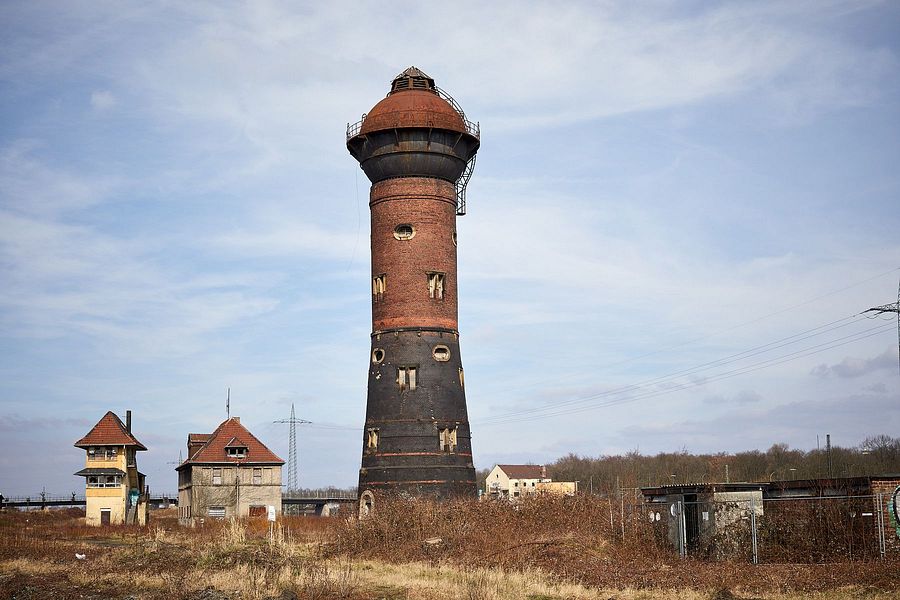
[{"x": 413, "y": 101}]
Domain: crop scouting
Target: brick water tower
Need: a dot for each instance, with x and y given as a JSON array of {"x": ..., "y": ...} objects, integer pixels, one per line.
[{"x": 418, "y": 150}]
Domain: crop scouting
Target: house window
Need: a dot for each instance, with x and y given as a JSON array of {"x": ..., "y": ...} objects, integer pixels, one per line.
[
  {"x": 372, "y": 439},
  {"x": 257, "y": 475},
  {"x": 104, "y": 481},
  {"x": 516, "y": 484},
  {"x": 436, "y": 286},
  {"x": 216, "y": 512},
  {"x": 406, "y": 378},
  {"x": 217, "y": 476},
  {"x": 378, "y": 287},
  {"x": 236, "y": 451},
  {"x": 448, "y": 439},
  {"x": 404, "y": 231},
  {"x": 441, "y": 353}
]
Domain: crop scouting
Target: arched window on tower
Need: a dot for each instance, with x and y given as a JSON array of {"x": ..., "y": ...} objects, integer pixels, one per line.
[
  {"x": 436, "y": 286},
  {"x": 448, "y": 439},
  {"x": 378, "y": 286}
]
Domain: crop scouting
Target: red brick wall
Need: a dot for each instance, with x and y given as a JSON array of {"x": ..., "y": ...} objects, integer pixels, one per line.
[
  {"x": 429, "y": 205},
  {"x": 886, "y": 488}
]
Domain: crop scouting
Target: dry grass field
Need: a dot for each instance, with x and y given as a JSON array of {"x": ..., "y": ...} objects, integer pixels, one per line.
[{"x": 546, "y": 549}]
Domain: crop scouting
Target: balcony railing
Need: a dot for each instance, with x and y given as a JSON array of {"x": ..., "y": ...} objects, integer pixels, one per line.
[{"x": 473, "y": 129}]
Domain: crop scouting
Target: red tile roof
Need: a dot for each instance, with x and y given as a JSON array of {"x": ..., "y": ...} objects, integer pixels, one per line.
[
  {"x": 109, "y": 431},
  {"x": 229, "y": 434},
  {"x": 524, "y": 471}
]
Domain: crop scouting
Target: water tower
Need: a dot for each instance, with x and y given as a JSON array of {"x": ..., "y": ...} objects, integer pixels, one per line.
[{"x": 418, "y": 150}]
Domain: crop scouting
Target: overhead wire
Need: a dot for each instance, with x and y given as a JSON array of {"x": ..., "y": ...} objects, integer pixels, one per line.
[
  {"x": 552, "y": 411},
  {"x": 755, "y": 351}
]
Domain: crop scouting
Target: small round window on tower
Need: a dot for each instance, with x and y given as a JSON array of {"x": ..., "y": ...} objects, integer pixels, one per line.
[
  {"x": 377, "y": 355},
  {"x": 453, "y": 235},
  {"x": 404, "y": 231},
  {"x": 441, "y": 353}
]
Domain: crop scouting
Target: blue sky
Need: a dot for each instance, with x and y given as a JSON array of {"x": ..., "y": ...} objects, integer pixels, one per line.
[{"x": 677, "y": 211}]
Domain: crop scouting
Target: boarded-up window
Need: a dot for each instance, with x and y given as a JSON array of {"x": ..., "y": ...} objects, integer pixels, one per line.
[
  {"x": 258, "y": 511},
  {"x": 372, "y": 439},
  {"x": 448, "y": 439},
  {"x": 217, "y": 476},
  {"x": 436, "y": 285},
  {"x": 378, "y": 286},
  {"x": 216, "y": 512},
  {"x": 257, "y": 475},
  {"x": 406, "y": 378}
]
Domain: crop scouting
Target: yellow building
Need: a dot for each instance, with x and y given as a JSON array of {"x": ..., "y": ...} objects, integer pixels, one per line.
[
  {"x": 114, "y": 488},
  {"x": 515, "y": 481}
]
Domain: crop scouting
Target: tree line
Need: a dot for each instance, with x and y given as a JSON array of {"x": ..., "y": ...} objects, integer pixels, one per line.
[{"x": 876, "y": 455}]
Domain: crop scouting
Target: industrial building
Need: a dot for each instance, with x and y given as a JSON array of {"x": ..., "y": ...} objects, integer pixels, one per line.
[{"x": 418, "y": 149}]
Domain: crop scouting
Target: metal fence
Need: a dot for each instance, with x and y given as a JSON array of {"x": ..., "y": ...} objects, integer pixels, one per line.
[{"x": 779, "y": 530}]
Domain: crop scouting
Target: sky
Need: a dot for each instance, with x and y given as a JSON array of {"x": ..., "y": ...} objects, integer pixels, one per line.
[{"x": 679, "y": 211}]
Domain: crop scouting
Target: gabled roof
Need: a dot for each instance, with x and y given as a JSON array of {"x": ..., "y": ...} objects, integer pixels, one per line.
[
  {"x": 524, "y": 471},
  {"x": 235, "y": 443},
  {"x": 230, "y": 434},
  {"x": 109, "y": 431}
]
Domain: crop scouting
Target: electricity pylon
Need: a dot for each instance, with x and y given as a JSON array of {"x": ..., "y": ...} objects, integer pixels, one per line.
[
  {"x": 889, "y": 308},
  {"x": 292, "y": 482}
]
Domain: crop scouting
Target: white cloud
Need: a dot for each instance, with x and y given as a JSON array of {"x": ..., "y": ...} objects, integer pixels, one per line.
[
  {"x": 852, "y": 367},
  {"x": 103, "y": 100}
]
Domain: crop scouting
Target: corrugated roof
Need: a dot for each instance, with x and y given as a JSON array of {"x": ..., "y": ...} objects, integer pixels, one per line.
[
  {"x": 213, "y": 451},
  {"x": 523, "y": 471},
  {"x": 92, "y": 471},
  {"x": 109, "y": 431}
]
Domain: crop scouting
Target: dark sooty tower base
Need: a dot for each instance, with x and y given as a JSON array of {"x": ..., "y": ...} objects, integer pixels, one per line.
[{"x": 417, "y": 148}]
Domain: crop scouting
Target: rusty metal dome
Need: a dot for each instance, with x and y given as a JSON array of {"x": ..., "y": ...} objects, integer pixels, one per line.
[{"x": 418, "y": 130}]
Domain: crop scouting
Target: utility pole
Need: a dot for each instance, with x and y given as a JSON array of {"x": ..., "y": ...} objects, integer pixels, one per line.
[
  {"x": 292, "y": 448},
  {"x": 886, "y": 309}
]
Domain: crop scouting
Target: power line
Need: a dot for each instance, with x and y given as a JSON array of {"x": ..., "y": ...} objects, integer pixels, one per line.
[
  {"x": 587, "y": 404},
  {"x": 885, "y": 309},
  {"x": 762, "y": 349},
  {"x": 734, "y": 327},
  {"x": 292, "y": 482}
]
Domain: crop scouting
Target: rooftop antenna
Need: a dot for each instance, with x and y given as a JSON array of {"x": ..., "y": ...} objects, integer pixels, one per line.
[
  {"x": 292, "y": 482},
  {"x": 228, "y": 404},
  {"x": 885, "y": 309}
]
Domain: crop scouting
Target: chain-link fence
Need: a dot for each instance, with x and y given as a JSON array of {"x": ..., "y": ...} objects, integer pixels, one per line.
[{"x": 781, "y": 530}]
